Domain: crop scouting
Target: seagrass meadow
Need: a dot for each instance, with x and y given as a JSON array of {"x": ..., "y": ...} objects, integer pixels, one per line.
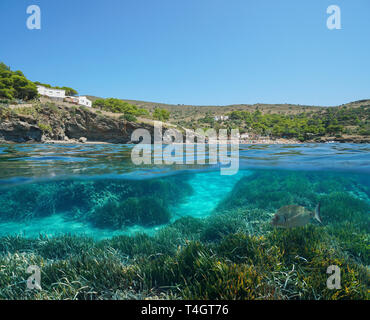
[{"x": 190, "y": 234}]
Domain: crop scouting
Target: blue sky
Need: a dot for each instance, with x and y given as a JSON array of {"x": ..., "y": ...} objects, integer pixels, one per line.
[{"x": 194, "y": 51}]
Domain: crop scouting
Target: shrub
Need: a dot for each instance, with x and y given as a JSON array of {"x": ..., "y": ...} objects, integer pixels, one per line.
[
  {"x": 31, "y": 111},
  {"x": 128, "y": 117},
  {"x": 118, "y": 106},
  {"x": 45, "y": 127},
  {"x": 161, "y": 114}
]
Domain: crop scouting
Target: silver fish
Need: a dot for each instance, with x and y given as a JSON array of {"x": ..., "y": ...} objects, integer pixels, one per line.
[{"x": 294, "y": 216}]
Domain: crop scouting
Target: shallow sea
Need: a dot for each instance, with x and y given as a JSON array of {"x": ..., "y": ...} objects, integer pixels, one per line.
[{"x": 97, "y": 191}]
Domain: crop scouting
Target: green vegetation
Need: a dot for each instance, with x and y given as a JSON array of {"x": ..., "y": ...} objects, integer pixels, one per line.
[
  {"x": 105, "y": 204},
  {"x": 39, "y": 111},
  {"x": 233, "y": 254},
  {"x": 29, "y": 111},
  {"x": 145, "y": 211},
  {"x": 301, "y": 126},
  {"x": 14, "y": 85},
  {"x": 128, "y": 117},
  {"x": 306, "y": 123},
  {"x": 119, "y": 106},
  {"x": 161, "y": 114},
  {"x": 302, "y": 123},
  {"x": 45, "y": 127},
  {"x": 42, "y": 113},
  {"x": 167, "y": 266},
  {"x": 270, "y": 190}
]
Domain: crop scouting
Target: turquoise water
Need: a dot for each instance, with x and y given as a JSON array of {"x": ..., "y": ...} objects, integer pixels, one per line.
[
  {"x": 208, "y": 189},
  {"x": 99, "y": 227},
  {"x": 95, "y": 190}
]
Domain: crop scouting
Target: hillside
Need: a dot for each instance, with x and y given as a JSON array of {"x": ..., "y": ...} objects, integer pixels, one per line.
[
  {"x": 45, "y": 121},
  {"x": 345, "y": 123},
  {"x": 108, "y": 120},
  {"x": 187, "y": 112}
]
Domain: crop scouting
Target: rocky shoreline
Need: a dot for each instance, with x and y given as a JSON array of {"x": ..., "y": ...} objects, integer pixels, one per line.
[
  {"x": 60, "y": 124},
  {"x": 71, "y": 125}
]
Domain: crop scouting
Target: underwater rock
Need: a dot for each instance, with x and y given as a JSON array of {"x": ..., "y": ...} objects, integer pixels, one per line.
[
  {"x": 110, "y": 204},
  {"x": 144, "y": 211}
]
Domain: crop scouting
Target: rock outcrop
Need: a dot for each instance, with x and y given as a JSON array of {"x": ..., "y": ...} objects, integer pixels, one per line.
[
  {"x": 344, "y": 139},
  {"x": 49, "y": 122},
  {"x": 19, "y": 129}
]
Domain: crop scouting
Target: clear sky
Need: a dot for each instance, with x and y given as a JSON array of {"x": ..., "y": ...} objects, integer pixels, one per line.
[{"x": 194, "y": 51}]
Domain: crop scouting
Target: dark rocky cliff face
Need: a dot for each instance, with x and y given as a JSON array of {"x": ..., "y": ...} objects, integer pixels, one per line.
[
  {"x": 49, "y": 122},
  {"x": 18, "y": 128}
]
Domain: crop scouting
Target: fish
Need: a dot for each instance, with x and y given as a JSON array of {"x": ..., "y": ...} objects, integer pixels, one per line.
[{"x": 295, "y": 216}]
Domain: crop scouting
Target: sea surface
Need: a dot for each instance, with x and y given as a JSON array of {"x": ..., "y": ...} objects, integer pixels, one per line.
[{"x": 96, "y": 190}]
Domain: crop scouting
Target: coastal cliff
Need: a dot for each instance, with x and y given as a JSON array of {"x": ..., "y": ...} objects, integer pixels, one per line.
[{"x": 49, "y": 122}]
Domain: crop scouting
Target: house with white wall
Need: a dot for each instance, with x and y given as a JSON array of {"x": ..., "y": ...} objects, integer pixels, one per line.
[
  {"x": 221, "y": 118},
  {"x": 61, "y": 94},
  {"x": 51, "y": 93},
  {"x": 84, "y": 101},
  {"x": 70, "y": 99}
]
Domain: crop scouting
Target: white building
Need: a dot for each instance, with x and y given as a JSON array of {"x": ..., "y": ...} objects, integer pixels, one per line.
[
  {"x": 221, "y": 118},
  {"x": 84, "y": 101},
  {"x": 52, "y": 93},
  {"x": 244, "y": 136},
  {"x": 61, "y": 94}
]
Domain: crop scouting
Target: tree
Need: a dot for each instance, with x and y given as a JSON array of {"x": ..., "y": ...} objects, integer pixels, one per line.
[
  {"x": 161, "y": 114},
  {"x": 14, "y": 85},
  {"x": 129, "y": 117},
  {"x": 70, "y": 91},
  {"x": 98, "y": 103},
  {"x": 334, "y": 129},
  {"x": 118, "y": 106},
  {"x": 4, "y": 67},
  {"x": 42, "y": 84}
]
